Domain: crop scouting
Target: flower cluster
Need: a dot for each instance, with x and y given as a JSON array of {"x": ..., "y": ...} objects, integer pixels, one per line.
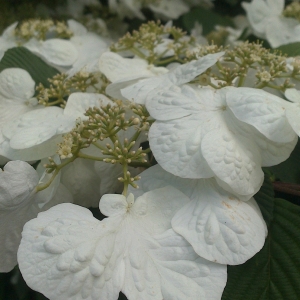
[{"x": 169, "y": 133}]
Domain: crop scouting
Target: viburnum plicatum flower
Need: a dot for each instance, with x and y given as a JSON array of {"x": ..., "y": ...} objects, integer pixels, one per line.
[
  {"x": 35, "y": 134},
  {"x": 267, "y": 22},
  {"x": 180, "y": 75},
  {"x": 220, "y": 227},
  {"x": 293, "y": 109},
  {"x": 56, "y": 51},
  {"x": 125, "y": 71},
  {"x": 19, "y": 203},
  {"x": 164, "y": 8},
  {"x": 16, "y": 95},
  {"x": 66, "y": 253},
  {"x": 89, "y": 46},
  {"x": 228, "y": 134}
]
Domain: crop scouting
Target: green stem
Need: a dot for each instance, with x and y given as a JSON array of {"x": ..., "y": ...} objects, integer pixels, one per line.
[
  {"x": 137, "y": 164},
  {"x": 125, "y": 180},
  {"x": 138, "y": 53},
  {"x": 241, "y": 81},
  {"x": 55, "y": 102},
  {"x": 165, "y": 61},
  {"x": 134, "y": 137},
  {"x": 147, "y": 150},
  {"x": 99, "y": 146},
  {"x": 85, "y": 156},
  {"x": 272, "y": 86},
  {"x": 43, "y": 186}
]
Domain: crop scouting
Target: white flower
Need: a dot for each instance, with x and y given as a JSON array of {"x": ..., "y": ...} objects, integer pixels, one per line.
[
  {"x": 125, "y": 71},
  {"x": 35, "y": 134},
  {"x": 16, "y": 96},
  {"x": 293, "y": 109},
  {"x": 83, "y": 182},
  {"x": 82, "y": 50},
  {"x": 179, "y": 75},
  {"x": 89, "y": 46},
  {"x": 20, "y": 203},
  {"x": 265, "y": 17},
  {"x": 220, "y": 227},
  {"x": 227, "y": 134},
  {"x": 68, "y": 254},
  {"x": 168, "y": 9},
  {"x": 57, "y": 52}
]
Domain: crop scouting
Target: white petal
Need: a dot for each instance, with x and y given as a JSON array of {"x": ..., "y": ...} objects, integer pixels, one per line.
[
  {"x": 89, "y": 47},
  {"x": 154, "y": 210},
  {"x": 19, "y": 203},
  {"x": 46, "y": 149},
  {"x": 11, "y": 225},
  {"x": 16, "y": 84},
  {"x": 187, "y": 72},
  {"x": 83, "y": 182},
  {"x": 293, "y": 95},
  {"x": 67, "y": 254},
  {"x": 234, "y": 160},
  {"x": 116, "y": 88},
  {"x": 116, "y": 68},
  {"x": 212, "y": 215},
  {"x": 178, "y": 76},
  {"x": 171, "y": 9},
  {"x": 170, "y": 270},
  {"x": 292, "y": 114},
  {"x": 281, "y": 30},
  {"x": 35, "y": 127},
  {"x": 139, "y": 91},
  {"x": 76, "y": 27},
  {"x": 109, "y": 175},
  {"x": 112, "y": 204},
  {"x": 176, "y": 146},
  {"x": 59, "y": 52},
  {"x": 262, "y": 110},
  {"x": 17, "y": 182},
  {"x": 29, "y": 137},
  {"x": 44, "y": 196},
  {"x": 175, "y": 102},
  {"x": 220, "y": 227},
  {"x": 273, "y": 153},
  {"x": 78, "y": 103},
  {"x": 260, "y": 13}
]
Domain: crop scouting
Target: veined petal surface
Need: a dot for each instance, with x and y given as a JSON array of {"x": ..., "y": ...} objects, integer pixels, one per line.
[{"x": 68, "y": 254}]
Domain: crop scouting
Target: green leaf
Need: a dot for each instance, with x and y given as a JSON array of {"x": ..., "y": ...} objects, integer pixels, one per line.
[
  {"x": 274, "y": 272},
  {"x": 289, "y": 170},
  {"x": 20, "y": 57},
  {"x": 207, "y": 18},
  {"x": 292, "y": 49},
  {"x": 265, "y": 200}
]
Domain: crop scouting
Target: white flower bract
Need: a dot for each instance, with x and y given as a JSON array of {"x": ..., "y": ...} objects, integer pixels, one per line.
[
  {"x": 202, "y": 133},
  {"x": 68, "y": 254}
]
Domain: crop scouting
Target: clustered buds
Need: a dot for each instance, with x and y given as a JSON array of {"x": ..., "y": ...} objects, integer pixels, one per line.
[
  {"x": 292, "y": 11},
  {"x": 245, "y": 61},
  {"x": 61, "y": 86},
  {"x": 39, "y": 29},
  {"x": 103, "y": 130},
  {"x": 144, "y": 43}
]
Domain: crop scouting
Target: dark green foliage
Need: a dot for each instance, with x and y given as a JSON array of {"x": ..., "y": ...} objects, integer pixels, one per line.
[{"x": 20, "y": 57}]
